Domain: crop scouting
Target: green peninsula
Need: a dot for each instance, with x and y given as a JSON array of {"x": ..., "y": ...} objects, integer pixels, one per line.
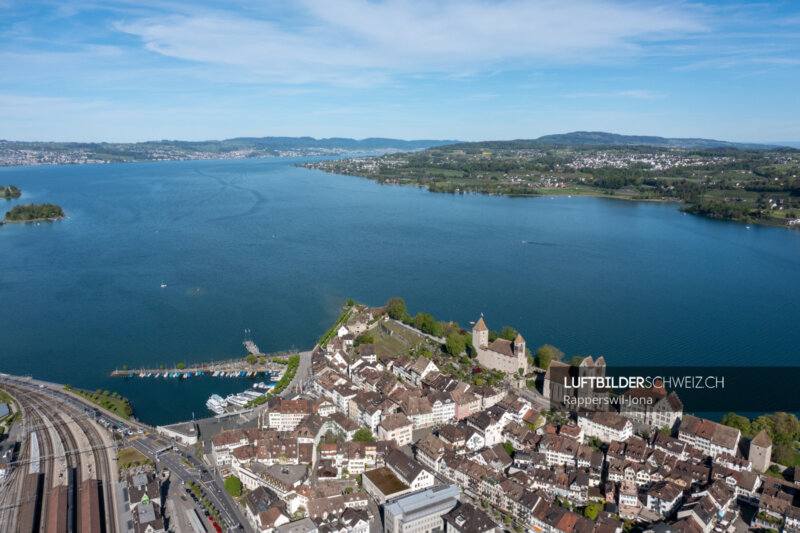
[{"x": 745, "y": 183}]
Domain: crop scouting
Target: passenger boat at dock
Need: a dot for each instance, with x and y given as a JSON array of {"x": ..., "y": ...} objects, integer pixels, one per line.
[
  {"x": 216, "y": 404},
  {"x": 237, "y": 400}
]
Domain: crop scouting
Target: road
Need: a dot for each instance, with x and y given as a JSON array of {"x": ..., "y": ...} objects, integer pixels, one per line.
[
  {"x": 180, "y": 472},
  {"x": 539, "y": 402}
]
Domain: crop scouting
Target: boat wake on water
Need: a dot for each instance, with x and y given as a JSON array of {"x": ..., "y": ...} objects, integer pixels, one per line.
[{"x": 539, "y": 243}]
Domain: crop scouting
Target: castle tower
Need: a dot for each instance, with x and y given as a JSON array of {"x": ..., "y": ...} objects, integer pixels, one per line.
[
  {"x": 760, "y": 451},
  {"x": 519, "y": 352},
  {"x": 480, "y": 334},
  {"x": 519, "y": 346}
]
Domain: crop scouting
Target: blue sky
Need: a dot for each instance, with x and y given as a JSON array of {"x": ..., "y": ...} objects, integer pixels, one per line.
[{"x": 91, "y": 70}]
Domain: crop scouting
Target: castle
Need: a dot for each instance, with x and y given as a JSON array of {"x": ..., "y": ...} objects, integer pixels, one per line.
[{"x": 500, "y": 354}]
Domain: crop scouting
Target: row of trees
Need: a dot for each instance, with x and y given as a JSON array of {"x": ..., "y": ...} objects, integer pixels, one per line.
[
  {"x": 725, "y": 210},
  {"x": 396, "y": 308},
  {"x": 332, "y": 330},
  {"x": 200, "y": 496},
  {"x": 111, "y": 401}
]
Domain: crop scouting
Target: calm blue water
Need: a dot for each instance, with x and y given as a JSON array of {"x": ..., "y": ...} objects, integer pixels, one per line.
[{"x": 263, "y": 245}]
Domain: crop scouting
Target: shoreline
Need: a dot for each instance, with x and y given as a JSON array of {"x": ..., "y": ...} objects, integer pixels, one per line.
[
  {"x": 566, "y": 192},
  {"x": 7, "y": 221}
]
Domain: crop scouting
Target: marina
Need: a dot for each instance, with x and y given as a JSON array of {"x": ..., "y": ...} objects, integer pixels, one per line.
[
  {"x": 219, "y": 405},
  {"x": 273, "y": 374},
  {"x": 270, "y": 366}
]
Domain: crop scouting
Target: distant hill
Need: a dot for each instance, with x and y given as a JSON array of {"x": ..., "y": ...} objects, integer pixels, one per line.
[
  {"x": 600, "y": 138},
  {"x": 28, "y": 153},
  {"x": 300, "y": 143},
  {"x": 243, "y": 143},
  {"x": 581, "y": 138}
]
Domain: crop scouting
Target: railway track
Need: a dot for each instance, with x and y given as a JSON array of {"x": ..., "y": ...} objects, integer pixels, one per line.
[
  {"x": 35, "y": 489},
  {"x": 106, "y": 471},
  {"x": 61, "y": 429}
]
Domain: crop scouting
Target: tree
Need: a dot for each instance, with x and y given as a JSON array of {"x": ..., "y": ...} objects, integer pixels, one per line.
[
  {"x": 180, "y": 366},
  {"x": 737, "y": 421},
  {"x": 509, "y": 448},
  {"x": 234, "y": 486},
  {"x": 350, "y": 302},
  {"x": 348, "y": 490},
  {"x": 363, "y": 435},
  {"x": 124, "y": 367},
  {"x": 546, "y": 354},
  {"x": 455, "y": 344},
  {"x": 252, "y": 359},
  {"x": 591, "y": 511},
  {"x": 427, "y": 324},
  {"x": 396, "y": 307},
  {"x": 508, "y": 333}
]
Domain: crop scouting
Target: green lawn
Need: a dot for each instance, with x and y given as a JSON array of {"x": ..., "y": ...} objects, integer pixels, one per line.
[
  {"x": 131, "y": 457},
  {"x": 397, "y": 343},
  {"x": 4, "y": 397},
  {"x": 794, "y": 461}
]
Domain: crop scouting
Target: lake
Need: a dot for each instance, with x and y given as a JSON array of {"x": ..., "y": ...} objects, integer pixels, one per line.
[{"x": 264, "y": 245}]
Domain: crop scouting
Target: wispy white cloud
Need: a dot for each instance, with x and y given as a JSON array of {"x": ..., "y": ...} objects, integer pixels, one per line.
[
  {"x": 352, "y": 40},
  {"x": 137, "y": 69},
  {"x": 637, "y": 94}
]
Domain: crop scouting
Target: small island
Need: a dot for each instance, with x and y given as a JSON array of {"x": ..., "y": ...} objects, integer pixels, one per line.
[
  {"x": 9, "y": 192},
  {"x": 34, "y": 213}
]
